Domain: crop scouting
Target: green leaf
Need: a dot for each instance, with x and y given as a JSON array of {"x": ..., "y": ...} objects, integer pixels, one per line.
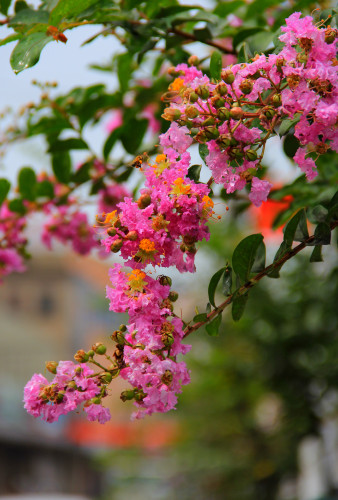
[
  {"x": 316, "y": 255},
  {"x": 20, "y": 5},
  {"x": 68, "y": 9},
  {"x": 27, "y": 17},
  {"x": 282, "y": 250},
  {"x": 212, "y": 328},
  {"x": 67, "y": 145},
  {"x": 27, "y": 51},
  {"x": 203, "y": 151},
  {"x": 44, "y": 189},
  {"x": 27, "y": 183},
  {"x": 61, "y": 165},
  {"x": 200, "y": 317},
  {"x": 4, "y": 4},
  {"x": 110, "y": 142},
  {"x": 194, "y": 172},
  {"x": 227, "y": 281},
  {"x": 225, "y": 8},
  {"x": 244, "y": 256},
  {"x": 238, "y": 306},
  {"x": 296, "y": 228},
  {"x": 317, "y": 214},
  {"x": 124, "y": 70},
  {"x": 132, "y": 135},
  {"x": 259, "y": 262},
  {"x": 208, "y": 308},
  {"x": 244, "y": 34},
  {"x": 243, "y": 53},
  {"x": 286, "y": 125},
  {"x": 322, "y": 235},
  {"x": 216, "y": 65},
  {"x": 10, "y": 38},
  {"x": 4, "y": 189},
  {"x": 17, "y": 206},
  {"x": 82, "y": 174},
  {"x": 290, "y": 145},
  {"x": 213, "y": 285}
]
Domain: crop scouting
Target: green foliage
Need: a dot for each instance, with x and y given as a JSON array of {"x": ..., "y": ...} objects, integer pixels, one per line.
[
  {"x": 244, "y": 256},
  {"x": 4, "y": 189},
  {"x": 27, "y": 183},
  {"x": 216, "y": 65}
]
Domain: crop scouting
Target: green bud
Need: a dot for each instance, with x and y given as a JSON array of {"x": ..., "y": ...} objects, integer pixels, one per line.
[
  {"x": 112, "y": 231},
  {"x": 99, "y": 348},
  {"x": 106, "y": 377},
  {"x": 127, "y": 395},
  {"x": 52, "y": 366},
  {"x": 277, "y": 100},
  {"x": 165, "y": 280},
  {"x": 224, "y": 141},
  {"x": 193, "y": 97},
  {"x": 116, "y": 245},
  {"x": 211, "y": 132},
  {"x": 167, "y": 339},
  {"x": 330, "y": 35},
  {"x": 122, "y": 328},
  {"x": 81, "y": 356},
  {"x": 191, "y": 112},
  {"x": 269, "y": 112},
  {"x": 218, "y": 103},
  {"x": 227, "y": 76},
  {"x": 251, "y": 155},
  {"x": 131, "y": 235},
  {"x": 222, "y": 89},
  {"x": 236, "y": 113},
  {"x": 209, "y": 121},
  {"x": 236, "y": 152},
  {"x": 173, "y": 296},
  {"x": 223, "y": 114},
  {"x": 246, "y": 86},
  {"x": 203, "y": 92},
  {"x": 144, "y": 201}
]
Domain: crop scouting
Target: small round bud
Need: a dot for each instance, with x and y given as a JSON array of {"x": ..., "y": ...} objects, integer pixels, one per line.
[
  {"x": 193, "y": 60},
  {"x": 209, "y": 121},
  {"x": 127, "y": 395},
  {"x": 122, "y": 328},
  {"x": 112, "y": 231},
  {"x": 246, "y": 86},
  {"x": 72, "y": 385},
  {"x": 116, "y": 245},
  {"x": 51, "y": 366},
  {"x": 269, "y": 112},
  {"x": 139, "y": 395},
  {"x": 167, "y": 339},
  {"x": 81, "y": 356},
  {"x": 165, "y": 280},
  {"x": 171, "y": 114},
  {"x": 132, "y": 235},
  {"x": 99, "y": 348},
  {"x": 251, "y": 155},
  {"x": 193, "y": 97},
  {"x": 224, "y": 141},
  {"x": 223, "y": 114},
  {"x": 95, "y": 401},
  {"x": 91, "y": 353},
  {"x": 173, "y": 296},
  {"x": 203, "y": 92},
  {"x": 236, "y": 153},
  {"x": 330, "y": 34},
  {"x": 277, "y": 100},
  {"x": 222, "y": 89},
  {"x": 211, "y": 132},
  {"x": 191, "y": 112},
  {"x": 236, "y": 113},
  {"x": 218, "y": 103},
  {"x": 144, "y": 201},
  {"x": 227, "y": 76},
  {"x": 106, "y": 377}
]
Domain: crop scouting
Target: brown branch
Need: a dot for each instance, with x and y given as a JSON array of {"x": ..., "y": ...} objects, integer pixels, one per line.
[
  {"x": 249, "y": 284},
  {"x": 193, "y": 38}
]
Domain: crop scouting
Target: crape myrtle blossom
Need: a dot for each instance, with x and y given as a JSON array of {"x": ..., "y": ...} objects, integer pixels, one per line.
[
  {"x": 236, "y": 115},
  {"x": 72, "y": 385},
  {"x": 12, "y": 241}
]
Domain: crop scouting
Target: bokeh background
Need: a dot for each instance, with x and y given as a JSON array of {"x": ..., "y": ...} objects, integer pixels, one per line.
[{"x": 259, "y": 420}]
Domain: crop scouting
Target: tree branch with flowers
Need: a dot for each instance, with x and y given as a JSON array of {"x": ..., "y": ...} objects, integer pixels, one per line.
[{"x": 229, "y": 112}]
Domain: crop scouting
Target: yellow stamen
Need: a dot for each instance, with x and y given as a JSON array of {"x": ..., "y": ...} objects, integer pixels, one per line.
[
  {"x": 179, "y": 187},
  {"x": 161, "y": 157},
  {"x": 136, "y": 280},
  {"x": 111, "y": 217},
  {"x": 147, "y": 246},
  {"x": 177, "y": 84}
]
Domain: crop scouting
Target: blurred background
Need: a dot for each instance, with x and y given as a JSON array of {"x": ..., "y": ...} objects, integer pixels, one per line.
[{"x": 259, "y": 420}]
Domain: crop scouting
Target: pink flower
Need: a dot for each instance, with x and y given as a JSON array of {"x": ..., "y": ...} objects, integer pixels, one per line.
[
  {"x": 259, "y": 191},
  {"x": 97, "y": 412},
  {"x": 115, "y": 121},
  {"x": 307, "y": 165}
]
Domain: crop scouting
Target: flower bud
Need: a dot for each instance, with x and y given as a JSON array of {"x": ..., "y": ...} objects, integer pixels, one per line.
[
  {"x": 90, "y": 353},
  {"x": 193, "y": 97},
  {"x": 139, "y": 395},
  {"x": 302, "y": 58},
  {"x": 222, "y": 89},
  {"x": 123, "y": 328},
  {"x": 131, "y": 235},
  {"x": 71, "y": 385},
  {"x": 236, "y": 153},
  {"x": 173, "y": 296},
  {"x": 246, "y": 86},
  {"x": 211, "y": 132},
  {"x": 51, "y": 366},
  {"x": 224, "y": 141},
  {"x": 144, "y": 201},
  {"x": 218, "y": 103},
  {"x": 112, "y": 231},
  {"x": 127, "y": 395},
  {"x": 236, "y": 113},
  {"x": 167, "y": 377},
  {"x": 116, "y": 245},
  {"x": 171, "y": 114},
  {"x": 191, "y": 249},
  {"x": 193, "y": 60},
  {"x": 114, "y": 370},
  {"x": 223, "y": 114},
  {"x": 106, "y": 377},
  {"x": 203, "y": 92},
  {"x": 99, "y": 348},
  {"x": 269, "y": 112},
  {"x": 191, "y": 112},
  {"x": 95, "y": 401},
  {"x": 209, "y": 121},
  {"x": 81, "y": 356},
  {"x": 165, "y": 280},
  {"x": 227, "y": 76},
  {"x": 251, "y": 155},
  {"x": 330, "y": 34},
  {"x": 277, "y": 100},
  {"x": 167, "y": 339}
]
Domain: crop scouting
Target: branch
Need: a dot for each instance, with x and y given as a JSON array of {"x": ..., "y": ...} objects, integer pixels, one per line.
[
  {"x": 193, "y": 38},
  {"x": 249, "y": 284}
]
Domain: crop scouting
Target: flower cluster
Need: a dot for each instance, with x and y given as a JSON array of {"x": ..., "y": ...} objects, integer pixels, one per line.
[
  {"x": 72, "y": 385},
  {"x": 147, "y": 348},
  {"x": 12, "y": 241},
  {"x": 237, "y": 115}
]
